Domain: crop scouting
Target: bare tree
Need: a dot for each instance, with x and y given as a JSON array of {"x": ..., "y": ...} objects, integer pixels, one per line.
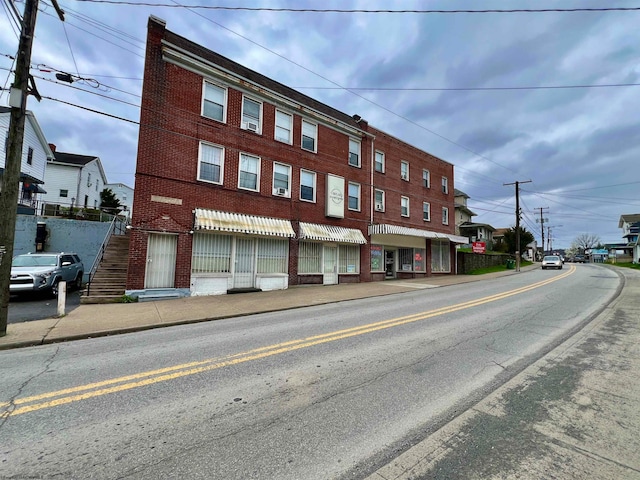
[{"x": 585, "y": 241}]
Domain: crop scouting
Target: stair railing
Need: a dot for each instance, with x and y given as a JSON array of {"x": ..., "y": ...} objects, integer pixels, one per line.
[{"x": 117, "y": 227}]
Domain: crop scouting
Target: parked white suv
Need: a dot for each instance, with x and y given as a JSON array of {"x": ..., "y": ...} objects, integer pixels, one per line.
[{"x": 41, "y": 272}]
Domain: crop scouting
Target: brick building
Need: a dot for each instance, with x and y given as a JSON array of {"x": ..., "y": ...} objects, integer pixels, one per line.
[{"x": 243, "y": 183}]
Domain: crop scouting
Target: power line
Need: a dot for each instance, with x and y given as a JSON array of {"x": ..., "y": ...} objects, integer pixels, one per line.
[{"x": 472, "y": 89}]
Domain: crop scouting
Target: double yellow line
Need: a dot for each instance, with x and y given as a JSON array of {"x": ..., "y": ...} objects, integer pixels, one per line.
[{"x": 120, "y": 384}]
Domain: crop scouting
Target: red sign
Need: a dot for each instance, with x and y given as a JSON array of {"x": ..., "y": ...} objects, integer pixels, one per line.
[{"x": 479, "y": 247}]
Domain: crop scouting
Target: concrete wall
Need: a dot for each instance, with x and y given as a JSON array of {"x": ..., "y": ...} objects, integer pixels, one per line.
[{"x": 64, "y": 235}]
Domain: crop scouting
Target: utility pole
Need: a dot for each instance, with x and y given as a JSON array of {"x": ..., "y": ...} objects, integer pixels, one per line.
[
  {"x": 11, "y": 177},
  {"x": 517, "y": 184},
  {"x": 542, "y": 220}
]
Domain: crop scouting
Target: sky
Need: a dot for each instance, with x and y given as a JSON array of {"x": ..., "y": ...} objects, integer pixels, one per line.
[{"x": 547, "y": 99}]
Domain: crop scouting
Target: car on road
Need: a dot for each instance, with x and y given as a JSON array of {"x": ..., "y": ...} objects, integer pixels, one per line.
[
  {"x": 42, "y": 272},
  {"x": 579, "y": 258},
  {"x": 552, "y": 261}
]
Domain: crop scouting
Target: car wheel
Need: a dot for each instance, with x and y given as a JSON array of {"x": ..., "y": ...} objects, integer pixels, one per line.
[
  {"x": 544, "y": 268},
  {"x": 54, "y": 288},
  {"x": 77, "y": 284}
]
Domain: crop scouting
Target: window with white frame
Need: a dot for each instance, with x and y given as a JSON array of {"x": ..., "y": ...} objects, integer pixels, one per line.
[
  {"x": 426, "y": 211},
  {"x": 404, "y": 206},
  {"x": 348, "y": 258},
  {"x": 211, "y": 253},
  {"x": 354, "y": 196},
  {"x": 354, "y": 153},
  {"x": 309, "y": 258},
  {"x": 251, "y": 115},
  {"x": 440, "y": 257},
  {"x": 307, "y": 186},
  {"x": 272, "y": 255},
  {"x": 284, "y": 127},
  {"x": 426, "y": 179},
  {"x": 281, "y": 179},
  {"x": 309, "y": 136},
  {"x": 379, "y": 162},
  {"x": 379, "y": 200},
  {"x": 445, "y": 216},
  {"x": 404, "y": 170},
  {"x": 445, "y": 185},
  {"x": 249, "y": 172},
  {"x": 214, "y": 102},
  {"x": 30, "y": 156},
  {"x": 211, "y": 163}
]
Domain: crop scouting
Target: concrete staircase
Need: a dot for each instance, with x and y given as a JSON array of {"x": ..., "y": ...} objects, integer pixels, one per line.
[{"x": 109, "y": 282}]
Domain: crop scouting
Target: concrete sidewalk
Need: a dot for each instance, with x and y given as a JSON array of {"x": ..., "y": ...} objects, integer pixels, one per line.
[{"x": 93, "y": 320}]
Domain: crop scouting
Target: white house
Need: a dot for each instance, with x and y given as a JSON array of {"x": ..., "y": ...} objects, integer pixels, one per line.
[
  {"x": 124, "y": 193},
  {"x": 74, "y": 180},
  {"x": 35, "y": 155},
  {"x": 630, "y": 225}
]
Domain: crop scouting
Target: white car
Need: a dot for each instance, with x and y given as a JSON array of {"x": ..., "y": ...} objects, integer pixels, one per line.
[{"x": 552, "y": 261}]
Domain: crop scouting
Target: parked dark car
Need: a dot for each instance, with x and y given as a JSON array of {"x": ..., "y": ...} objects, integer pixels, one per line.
[
  {"x": 41, "y": 272},
  {"x": 579, "y": 258}
]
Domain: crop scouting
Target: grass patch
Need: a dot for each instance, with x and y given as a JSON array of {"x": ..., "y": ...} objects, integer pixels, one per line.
[
  {"x": 496, "y": 268},
  {"x": 634, "y": 266}
]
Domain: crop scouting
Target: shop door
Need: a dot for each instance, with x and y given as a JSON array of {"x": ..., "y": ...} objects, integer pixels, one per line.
[
  {"x": 244, "y": 272},
  {"x": 161, "y": 261},
  {"x": 389, "y": 264},
  {"x": 330, "y": 267}
]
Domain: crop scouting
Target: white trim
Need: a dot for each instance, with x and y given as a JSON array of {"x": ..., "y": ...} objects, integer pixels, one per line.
[{"x": 240, "y": 223}]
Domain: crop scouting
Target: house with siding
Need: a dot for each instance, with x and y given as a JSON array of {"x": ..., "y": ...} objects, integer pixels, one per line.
[
  {"x": 124, "y": 193},
  {"x": 244, "y": 183},
  {"x": 630, "y": 225},
  {"x": 73, "y": 180},
  {"x": 35, "y": 154}
]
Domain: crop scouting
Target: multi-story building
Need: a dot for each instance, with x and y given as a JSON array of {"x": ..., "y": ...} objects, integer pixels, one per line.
[{"x": 243, "y": 183}]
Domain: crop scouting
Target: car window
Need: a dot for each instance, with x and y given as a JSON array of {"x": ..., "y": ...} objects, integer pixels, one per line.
[
  {"x": 68, "y": 258},
  {"x": 35, "y": 261}
]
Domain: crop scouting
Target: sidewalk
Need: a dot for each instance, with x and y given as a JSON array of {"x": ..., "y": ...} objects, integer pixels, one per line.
[{"x": 108, "y": 319}]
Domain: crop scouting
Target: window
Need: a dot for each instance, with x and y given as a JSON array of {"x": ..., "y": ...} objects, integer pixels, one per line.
[
  {"x": 281, "y": 179},
  {"x": 97, "y": 184},
  {"x": 426, "y": 179},
  {"x": 307, "y": 186},
  {"x": 379, "y": 200},
  {"x": 348, "y": 258},
  {"x": 211, "y": 163},
  {"x": 251, "y": 115},
  {"x": 354, "y": 153},
  {"x": 309, "y": 257},
  {"x": 272, "y": 256},
  {"x": 30, "y": 156},
  {"x": 379, "y": 162},
  {"x": 404, "y": 206},
  {"x": 354, "y": 196},
  {"x": 284, "y": 127},
  {"x": 377, "y": 255},
  {"x": 211, "y": 253},
  {"x": 440, "y": 258},
  {"x": 213, "y": 103},
  {"x": 445, "y": 185},
  {"x": 412, "y": 259},
  {"x": 64, "y": 193},
  {"x": 404, "y": 170},
  {"x": 445, "y": 216},
  {"x": 249, "y": 178},
  {"x": 426, "y": 211},
  {"x": 309, "y": 134}
]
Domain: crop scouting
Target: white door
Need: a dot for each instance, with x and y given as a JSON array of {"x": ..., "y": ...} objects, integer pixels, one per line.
[
  {"x": 161, "y": 261},
  {"x": 330, "y": 267},
  {"x": 243, "y": 275}
]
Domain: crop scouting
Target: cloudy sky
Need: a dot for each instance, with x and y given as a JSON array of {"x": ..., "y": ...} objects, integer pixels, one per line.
[{"x": 547, "y": 97}]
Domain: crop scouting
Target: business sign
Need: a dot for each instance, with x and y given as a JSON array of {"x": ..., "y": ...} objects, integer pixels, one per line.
[
  {"x": 479, "y": 247},
  {"x": 334, "y": 200}
]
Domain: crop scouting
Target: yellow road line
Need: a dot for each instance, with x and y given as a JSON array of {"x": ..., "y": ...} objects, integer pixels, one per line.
[{"x": 141, "y": 379}]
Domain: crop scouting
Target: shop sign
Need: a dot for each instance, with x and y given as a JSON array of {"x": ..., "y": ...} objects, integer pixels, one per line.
[{"x": 479, "y": 247}]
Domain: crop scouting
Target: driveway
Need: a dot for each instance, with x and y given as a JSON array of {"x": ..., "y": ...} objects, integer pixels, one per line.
[{"x": 23, "y": 308}]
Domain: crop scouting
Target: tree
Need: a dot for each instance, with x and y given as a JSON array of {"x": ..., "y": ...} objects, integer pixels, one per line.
[
  {"x": 109, "y": 202},
  {"x": 586, "y": 241},
  {"x": 526, "y": 238}
]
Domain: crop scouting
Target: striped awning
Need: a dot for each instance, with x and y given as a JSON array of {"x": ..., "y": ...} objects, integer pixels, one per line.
[
  {"x": 386, "y": 229},
  {"x": 330, "y": 233},
  {"x": 240, "y": 223}
]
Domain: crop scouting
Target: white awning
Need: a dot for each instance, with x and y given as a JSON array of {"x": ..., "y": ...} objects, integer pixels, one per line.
[
  {"x": 386, "y": 229},
  {"x": 330, "y": 233},
  {"x": 239, "y": 223}
]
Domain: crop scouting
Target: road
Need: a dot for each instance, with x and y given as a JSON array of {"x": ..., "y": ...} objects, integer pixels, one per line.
[
  {"x": 23, "y": 308},
  {"x": 324, "y": 392}
]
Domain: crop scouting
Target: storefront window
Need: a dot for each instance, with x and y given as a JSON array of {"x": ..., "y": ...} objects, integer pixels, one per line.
[
  {"x": 405, "y": 256},
  {"x": 377, "y": 265},
  {"x": 440, "y": 259},
  {"x": 419, "y": 259},
  {"x": 211, "y": 253},
  {"x": 348, "y": 258},
  {"x": 273, "y": 255},
  {"x": 309, "y": 257}
]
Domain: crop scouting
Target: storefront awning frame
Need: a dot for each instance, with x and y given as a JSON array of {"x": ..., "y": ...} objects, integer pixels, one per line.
[
  {"x": 228, "y": 222},
  {"x": 388, "y": 229},
  {"x": 330, "y": 233}
]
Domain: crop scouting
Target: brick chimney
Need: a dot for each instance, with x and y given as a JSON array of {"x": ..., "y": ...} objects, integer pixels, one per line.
[{"x": 52, "y": 146}]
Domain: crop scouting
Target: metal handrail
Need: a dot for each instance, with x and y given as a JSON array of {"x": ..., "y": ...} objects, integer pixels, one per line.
[{"x": 117, "y": 226}]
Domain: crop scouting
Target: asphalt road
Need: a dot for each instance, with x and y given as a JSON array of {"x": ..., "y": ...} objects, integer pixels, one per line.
[
  {"x": 323, "y": 392},
  {"x": 23, "y": 308}
]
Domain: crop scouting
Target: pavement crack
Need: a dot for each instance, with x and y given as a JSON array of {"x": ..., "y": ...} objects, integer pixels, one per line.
[{"x": 10, "y": 405}]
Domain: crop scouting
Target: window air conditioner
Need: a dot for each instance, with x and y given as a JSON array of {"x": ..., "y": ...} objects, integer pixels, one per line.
[
  {"x": 404, "y": 176},
  {"x": 379, "y": 207},
  {"x": 251, "y": 126},
  {"x": 280, "y": 191}
]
